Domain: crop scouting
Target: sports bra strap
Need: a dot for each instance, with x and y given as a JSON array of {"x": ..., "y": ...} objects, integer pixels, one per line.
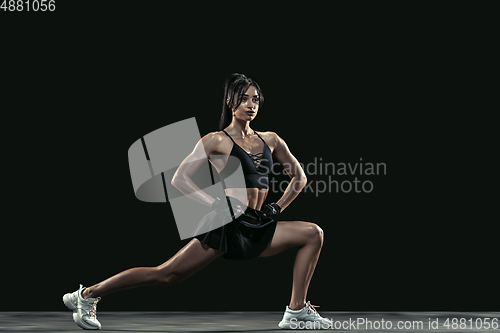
[
  {"x": 229, "y": 136},
  {"x": 260, "y": 137}
]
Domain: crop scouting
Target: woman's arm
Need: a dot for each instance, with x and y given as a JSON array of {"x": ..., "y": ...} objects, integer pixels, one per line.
[
  {"x": 182, "y": 177},
  {"x": 292, "y": 167}
]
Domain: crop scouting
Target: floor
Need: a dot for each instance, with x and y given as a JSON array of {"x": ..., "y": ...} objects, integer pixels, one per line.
[{"x": 251, "y": 321}]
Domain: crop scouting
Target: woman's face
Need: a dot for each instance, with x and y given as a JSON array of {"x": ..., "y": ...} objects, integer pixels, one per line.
[{"x": 249, "y": 106}]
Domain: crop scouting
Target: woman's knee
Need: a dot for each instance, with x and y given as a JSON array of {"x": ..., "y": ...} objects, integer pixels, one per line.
[
  {"x": 166, "y": 277},
  {"x": 315, "y": 234}
]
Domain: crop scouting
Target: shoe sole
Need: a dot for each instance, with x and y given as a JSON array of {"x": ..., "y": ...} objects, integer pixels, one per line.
[
  {"x": 70, "y": 305},
  {"x": 284, "y": 324},
  {"x": 83, "y": 324}
]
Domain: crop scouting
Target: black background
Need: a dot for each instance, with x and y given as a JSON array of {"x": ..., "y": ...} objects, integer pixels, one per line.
[{"x": 84, "y": 83}]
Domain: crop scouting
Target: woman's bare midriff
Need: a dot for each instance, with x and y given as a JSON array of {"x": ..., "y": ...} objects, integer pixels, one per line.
[{"x": 254, "y": 197}]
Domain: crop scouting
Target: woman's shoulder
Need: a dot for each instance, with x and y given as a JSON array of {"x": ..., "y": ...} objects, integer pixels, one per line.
[
  {"x": 213, "y": 140},
  {"x": 269, "y": 136},
  {"x": 213, "y": 136}
]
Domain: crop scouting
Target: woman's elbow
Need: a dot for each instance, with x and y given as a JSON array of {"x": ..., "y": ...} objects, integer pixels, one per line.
[
  {"x": 303, "y": 180},
  {"x": 176, "y": 181}
]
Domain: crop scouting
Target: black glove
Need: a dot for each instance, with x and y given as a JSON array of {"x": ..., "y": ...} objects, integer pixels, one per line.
[
  {"x": 217, "y": 204},
  {"x": 222, "y": 207},
  {"x": 271, "y": 210}
]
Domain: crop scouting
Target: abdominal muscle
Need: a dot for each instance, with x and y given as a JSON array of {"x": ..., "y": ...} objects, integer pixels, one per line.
[{"x": 253, "y": 197}]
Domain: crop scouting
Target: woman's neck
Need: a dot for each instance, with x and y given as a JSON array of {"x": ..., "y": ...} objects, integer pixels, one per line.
[{"x": 240, "y": 128}]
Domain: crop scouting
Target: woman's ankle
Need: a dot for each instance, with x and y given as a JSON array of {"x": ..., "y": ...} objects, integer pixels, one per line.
[
  {"x": 294, "y": 306},
  {"x": 86, "y": 293}
]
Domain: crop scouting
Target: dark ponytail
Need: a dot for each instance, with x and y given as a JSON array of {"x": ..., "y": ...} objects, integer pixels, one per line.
[{"x": 236, "y": 85}]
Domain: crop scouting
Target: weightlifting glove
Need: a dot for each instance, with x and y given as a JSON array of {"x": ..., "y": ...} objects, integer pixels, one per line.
[
  {"x": 222, "y": 208},
  {"x": 271, "y": 210}
]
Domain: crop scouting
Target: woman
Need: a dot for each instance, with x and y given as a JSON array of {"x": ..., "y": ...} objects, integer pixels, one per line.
[{"x": 253, "y": 233}]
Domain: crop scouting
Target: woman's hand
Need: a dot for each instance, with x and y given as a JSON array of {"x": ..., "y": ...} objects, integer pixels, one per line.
[
  {"x": 271, "y": 210},
  {"x": 222, "y": 207}
]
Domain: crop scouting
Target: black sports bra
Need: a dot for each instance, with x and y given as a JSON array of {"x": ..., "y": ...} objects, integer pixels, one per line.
[{"x": 256, "y": 167}]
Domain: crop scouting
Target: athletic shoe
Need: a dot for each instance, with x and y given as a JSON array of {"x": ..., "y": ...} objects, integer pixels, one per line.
[
  {"x": 305, "y": 318},
  {"x": 84, "y": 310}
]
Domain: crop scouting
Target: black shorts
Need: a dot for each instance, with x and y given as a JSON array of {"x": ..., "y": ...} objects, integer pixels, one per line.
[{"x": 246, "y": 237}]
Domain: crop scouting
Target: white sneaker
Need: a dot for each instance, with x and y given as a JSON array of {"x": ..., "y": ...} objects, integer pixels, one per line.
[
  {"x": 84, "y": 310},
  {"x": 305, "y": 318}
]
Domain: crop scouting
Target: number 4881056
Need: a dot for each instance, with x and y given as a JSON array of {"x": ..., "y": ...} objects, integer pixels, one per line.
[{"x": 28, "y": 5}]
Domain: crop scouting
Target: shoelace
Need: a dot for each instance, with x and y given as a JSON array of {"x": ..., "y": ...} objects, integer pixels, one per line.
[
  {"x": 311, "y": 308},
  {"x": 93, "y": 308}
]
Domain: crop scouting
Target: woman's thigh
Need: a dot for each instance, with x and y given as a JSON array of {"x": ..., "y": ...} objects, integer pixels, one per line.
[
  {"x": 290, "y": 234},
  {"x": 189, "y": 260}
]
